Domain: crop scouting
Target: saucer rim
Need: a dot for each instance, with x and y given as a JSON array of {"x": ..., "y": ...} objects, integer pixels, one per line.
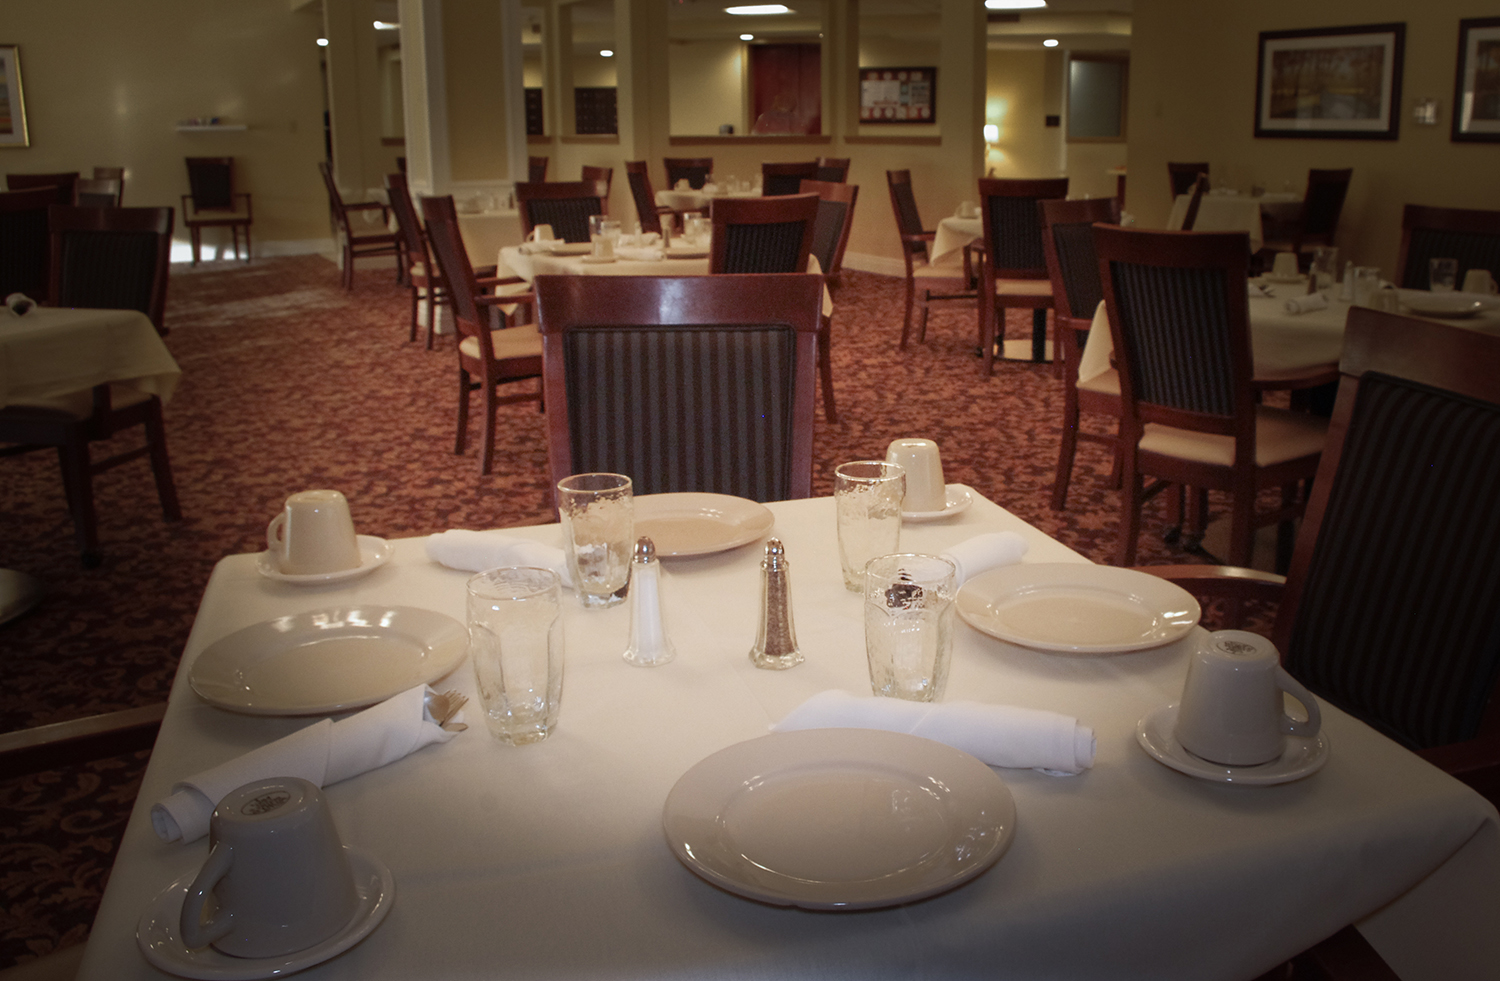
[
  {"x": 1159, "y": 719},
  {"x": 379, "y": 554},
  {"x": 960, "y": 497},
  {"x": 374, "y": 905}
]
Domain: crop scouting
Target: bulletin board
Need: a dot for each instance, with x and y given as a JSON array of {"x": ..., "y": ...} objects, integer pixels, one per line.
[{"x": 898, "y": 95}]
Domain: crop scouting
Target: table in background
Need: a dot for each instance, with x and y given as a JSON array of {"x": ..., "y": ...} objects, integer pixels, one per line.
[
  {"x": 953, "y": 233},
  {"x": 1230, "y": 213},
  {"x": 549, "y": 861},
  {"x": 51, "y": 352},
  {"x": 697, "y": 200}
]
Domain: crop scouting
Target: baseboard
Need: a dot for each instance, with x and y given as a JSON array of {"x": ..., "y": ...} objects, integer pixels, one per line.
[
  {"x": 182, "y": 252},
  {"x": 879, "y": 264}
]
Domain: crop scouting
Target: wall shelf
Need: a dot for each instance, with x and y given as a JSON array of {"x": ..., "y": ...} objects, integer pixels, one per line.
[{"x": 212, "y": 128}]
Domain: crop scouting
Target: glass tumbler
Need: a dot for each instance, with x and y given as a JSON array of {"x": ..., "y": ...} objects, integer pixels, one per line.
[
  {"x": 1325, "y": 267},
  {"x": 909, "y": 612},
  {"x": 867, "y": 496},
  {"x": 1442, "y": 275},
  {"x": 516, "y": 645},
  {"x": 598, "y": 523}
]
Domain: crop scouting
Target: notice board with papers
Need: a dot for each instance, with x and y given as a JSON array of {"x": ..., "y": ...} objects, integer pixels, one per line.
[{"x": 898, "y": 95}]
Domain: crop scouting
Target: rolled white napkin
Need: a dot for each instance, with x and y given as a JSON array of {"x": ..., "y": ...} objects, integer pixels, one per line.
[
  {"x": 999, "y": 735},
  {"x": 641, "y": 253},
  {"x": 324, "y": 753},
  {"x": 1258, "y": 289},
  {"x": 476, "y": 551},
  {"x": 710, "y": 188},
  {"x": 984, "y": 552},
  {"x": 19, "y": 303},
  {"x": 1306, "y": 304}
]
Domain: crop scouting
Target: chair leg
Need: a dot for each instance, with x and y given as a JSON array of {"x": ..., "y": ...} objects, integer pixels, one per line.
[
  {"x": 161, "y": 464},
  {"x": 911, "y": 295},
  {"x": 825, "y": 368},
  {"x": 195, "y": 234},
  {"x": 1066, "y": 452},
  {"x": 247, "y": 243},
  {"x": 926, "y": 309},
  {"x": 1130, "y": 516},
  {"x": 487, "y": 448},
  {"x": 79, "y": 489},
  {"x": 432, "y": 313},
  {"x": 413, "y": 338},
  {"x": 990, "y": 333},
  {"x": 1242, "y": 525},
  {"x": 1039, "y": 335},
  {"x": 463, "y": 412}
]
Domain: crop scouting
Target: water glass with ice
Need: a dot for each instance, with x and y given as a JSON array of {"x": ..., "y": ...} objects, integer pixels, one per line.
[
  {"x": 599, "y": 533},
  {"x": 867, "y": 496},
  {"x": 909, "y": 612},
  {"x": 516, "y": 644}
]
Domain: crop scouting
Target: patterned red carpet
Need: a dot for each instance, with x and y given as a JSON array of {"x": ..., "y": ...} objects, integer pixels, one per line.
[{"x": 291, "y": 383}]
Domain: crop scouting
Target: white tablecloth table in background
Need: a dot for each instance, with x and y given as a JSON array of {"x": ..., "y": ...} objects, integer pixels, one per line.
[
  {"x": 1227, "y": 213},
  {"x": 952, "y": 235},
  {"x": 690, "y": 200},
  {"x": 549, "y": 861},
  {"x": 50, "y": 352}
]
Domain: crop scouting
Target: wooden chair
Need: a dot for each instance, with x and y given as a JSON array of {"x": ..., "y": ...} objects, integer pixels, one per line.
[
  {"x": 1014, "y": 269},
  {"x": 368, "y": 245},
  {"x": 565, "y": 205},
  {"x": 694, "y": 170},
  {"x": 762, "y": 235},
  {"x": 487, "y": 358},
  {"x": 110, "y": 259},
  {"x": 1468, "y": 235},
  {"x": 646, "y": 208},
  {"x": 830, "y": 238},
  {"x": 25, "y": 249},
  {"x": 422, "y": 277},
  {"x": 536, "y": 169},
  {"x": 214, "y": 203},
  {"x": 1318, "y": 217},
  {"x": 101, "y": 192},
  {"x": 833, "y": 170},
  {"x": 1190, "y": 217},
  {"x": 1182, "y": 176},
  {"x": 601, "y": 175},
  {"x": 692, "y": 383},
  {"x": 915, "y": 243},
  {"x": 109, "y": 173},
  {"x": 785, "y": 178},
  {"x": 65, "y": 185},
  {"x": 1073, "y": 268},
  {"x": 1180, "y": 321}
]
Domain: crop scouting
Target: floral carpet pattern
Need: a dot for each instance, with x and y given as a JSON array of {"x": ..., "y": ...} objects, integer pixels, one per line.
[{"x": 290, "y": 383}]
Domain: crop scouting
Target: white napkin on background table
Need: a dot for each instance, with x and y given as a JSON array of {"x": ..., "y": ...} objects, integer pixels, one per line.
[
  {"x": 324, "y": 753},
  {"x": 19, "y": 303},
  {"x": 985, "y": 552},
  {"x": 999, "y": 735},
  {"x": 640, "y": 253},
  {"x": 476, "y": 551},
  {"x": 1306, "y": 304}
]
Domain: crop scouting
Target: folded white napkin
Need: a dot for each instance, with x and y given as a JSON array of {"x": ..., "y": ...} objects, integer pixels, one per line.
[
  {"x": 643, "y": 253},
  {"x": 984, "y": 552},
  {"x": 19, "y": 303},
  {"x": 710, "y": 188},
  {"x": 324, "y": 753},
  {"x": 476, "y": 551},
  {"x": 1259, "y": 289},
  {"x": 999, "y": 735},
  {"x": 1306, "y": 304}
]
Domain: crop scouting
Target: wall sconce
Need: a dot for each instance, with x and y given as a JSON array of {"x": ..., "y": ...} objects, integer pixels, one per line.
[{"x": 991, "y": 134}]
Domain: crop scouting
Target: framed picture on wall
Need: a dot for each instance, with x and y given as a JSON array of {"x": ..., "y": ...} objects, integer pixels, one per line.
[
  {"x": 898, "y": 95},
  {"x": 12, "y": 102},
  {"x": 1330, "y": 83},
  {"x": 1476, "y": 90}
]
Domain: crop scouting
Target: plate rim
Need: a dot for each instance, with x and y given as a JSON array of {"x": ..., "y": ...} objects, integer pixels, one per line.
[
  {"x": 752, "y": 509},
  {"x": 972, "y": 587},
  {"x": 857, "y": 746},
  {"x": 440, "y": 667}
]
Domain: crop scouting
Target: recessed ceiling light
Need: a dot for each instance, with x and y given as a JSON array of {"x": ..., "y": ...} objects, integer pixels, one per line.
[
  {"x": 1051, "y": 42},
  {"x": 322, "y": 42},
  {"x": 759, "y": 8},
  {"x": 747, "y": 37},
  {"x": 606, "y": 53},
  {"x": 382, "y": 25},
  {"x": 1014, "y": 4}
]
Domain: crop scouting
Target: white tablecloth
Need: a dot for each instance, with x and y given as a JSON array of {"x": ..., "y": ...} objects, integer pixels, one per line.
[
  {"x": 549, "y": 861},
  {"x": 51, "y": 352},
  {"x": 1226, "y": 213},
  {"x": 690, "y": 200},
  {"x": 952, "y": 235},
  {"x": 485, "y": 233}
]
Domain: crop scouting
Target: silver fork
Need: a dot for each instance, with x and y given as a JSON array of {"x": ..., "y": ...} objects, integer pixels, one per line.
[{"x": 445, "y": 706}]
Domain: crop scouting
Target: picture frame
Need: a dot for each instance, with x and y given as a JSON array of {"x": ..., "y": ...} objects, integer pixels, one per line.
[
  {"x": 1476, "y": 85},
  {"x": 1330, "y": 83},
  {"x": 12, "y": 100},
  {"x": 898, "y": 95}
]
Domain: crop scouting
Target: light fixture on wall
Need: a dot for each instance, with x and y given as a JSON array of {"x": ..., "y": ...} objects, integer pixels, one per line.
[
  {"x": 759, "y": 8},
  {"x": 322, "y": 42},
  {"x": 606, "y": 53},
  {"x": 991, "y": 133},
  {"x": 1051, "y": 42},
  {"x": 385, "y": 25},
  {"x": 747, "y": 37},
  {"x": 1014, "y": 4}
]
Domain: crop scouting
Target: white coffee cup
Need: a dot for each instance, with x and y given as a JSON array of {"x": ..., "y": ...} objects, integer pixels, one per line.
[
  {"x": 313, "y": 534},
  {"x": 1479, "y": 281},
  {"x": 1285, "y": 265},
  {"x": 541, "y": 233},
  {"x": 280, "y": 877},
  {"x": 925, "y": 490},
  {"x": 1232, "y": 711}
]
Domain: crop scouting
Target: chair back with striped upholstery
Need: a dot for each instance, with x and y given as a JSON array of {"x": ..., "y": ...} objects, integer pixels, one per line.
[
  {"x": 536, "y": 169},
  {"x": 1392, "y": 605},
  {"x": 691, "y": 383},
  {"x": 64, "y": 186},
  {"x": 636, "y": 171},
  {"x": 1470, "y": 236},
  {"x": 835, "y": 218},
  {"x": 904, "y": 204},
  {"x": 1182, "y": 176},
  {"x": 833, "y": 170},
  {"x": 1013, "y": 224},
  {"x": 762, "y": 235},
  {"x": 211, "y": 183},
  {"x": 565, "y": 205},
  {"x": 101, "y": 192},
  {"x": 785, "y": 178},
  {"x": 694, "y": 170},
  {"x": 111, "y": 258},
  {"x": 25, "y": 249},
  {"x": 452, "y": 260},
  {"x": 1068, "y": 245},
  {"x": 1323, "y": 202},
  {"x": 601, "y": 175},
  {"x": 408, "y": 225}
]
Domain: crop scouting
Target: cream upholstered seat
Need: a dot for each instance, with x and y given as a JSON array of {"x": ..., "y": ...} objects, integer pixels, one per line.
[
  {"x": 1014, "y": 267},
  {"x": 939, "y": 282},
  {"x": 1280, "y": 436},
  {"x": 507, "y": 342}
]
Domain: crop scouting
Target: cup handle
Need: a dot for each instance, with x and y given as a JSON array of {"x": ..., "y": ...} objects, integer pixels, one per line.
[
  {"x": 195, "y": 932},
  {"x": 1293, "y": 687},
  {"x": 274, "y": 539}
]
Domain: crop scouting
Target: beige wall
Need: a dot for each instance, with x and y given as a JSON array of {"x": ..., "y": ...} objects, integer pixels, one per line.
[
  {"x": 1016, "y": 101},
  {"x": 106, "y": 82},
  {"x": 1192, "y": 97},
  {"x": 708, "y": 84},
  {"x": 476, "y": 85}
]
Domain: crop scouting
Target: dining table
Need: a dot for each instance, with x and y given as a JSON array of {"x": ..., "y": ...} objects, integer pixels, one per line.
[
  {"x": 550, "y": 861},
  {"x": 682, "y": 199},
  {"x": 1230, "y": 211},
  {"x": 50, "y": 352},
  {"x": 953, "y": 233}
]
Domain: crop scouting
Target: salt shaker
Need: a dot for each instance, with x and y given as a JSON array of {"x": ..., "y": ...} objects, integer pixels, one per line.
[
  {"x": 1346, "y": 289},
  {"x": 649, "y": 645},
  {"x": 775, "y": 640}
]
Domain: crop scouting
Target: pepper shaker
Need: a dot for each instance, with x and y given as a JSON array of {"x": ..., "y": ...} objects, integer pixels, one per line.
[
  {"x": 775, "y": 642},
  {"x": 649, "y": 644}
]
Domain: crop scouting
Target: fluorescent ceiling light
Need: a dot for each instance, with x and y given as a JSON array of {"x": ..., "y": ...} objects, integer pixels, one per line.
[
  {"x": 760, "y": 8},
  {"x": 1051, "y": 42},
  {"x": 606, "y": 53},
  {"x": 381, "y": 25},
  {"x": 1014, "y": 4},
  {"x": 747, "y": 37}
]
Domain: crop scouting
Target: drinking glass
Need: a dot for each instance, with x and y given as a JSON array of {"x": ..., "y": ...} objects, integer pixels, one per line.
[
  {"x": 909, "y": 625},
  {"x": 1442, "y": 275},
  {"x": 1325, "y": 267},
  {"x": 516, "y": 644},
  {"x": 599, "y": 533},
  {"x": 867, "y": 496},
  {"x": 1366, "y": 282}
]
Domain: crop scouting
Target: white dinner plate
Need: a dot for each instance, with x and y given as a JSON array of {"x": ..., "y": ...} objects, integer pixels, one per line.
[
  {"x": 958, "y": 499},
  {"x": 159, "y": 934},
  {"x": 373, "y": 553},
  {"x": 598, "y": 259},
  {"x": 329, "y": 660},
  {"x": 1454, "y": 304},
  {"x": 1303, "y": 755},
  {"x": 1076, "y": 608},
  {"x": 699, "y": 524},
  {"x": 690, "y": 252},
  {"x": 839, "y": 819},
  {"x": 560, "y": 247}
]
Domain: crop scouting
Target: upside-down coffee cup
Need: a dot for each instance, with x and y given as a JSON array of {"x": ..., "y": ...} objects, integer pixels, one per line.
[
  {"x": 925, "y": 490},
  {"x": 313, "y": 534},
  {"x": 1479, "y": 281},
  {"x": 1232, "y": 710},
  {"x": 279, "y": 876}
]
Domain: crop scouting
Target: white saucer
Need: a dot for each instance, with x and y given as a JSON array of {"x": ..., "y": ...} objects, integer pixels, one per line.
[
  {"x": 373, "y": 553},
  {"x": 1304, "y": 755},
  {"x": 158, "y": 932},
  {"x": 598, "y": 259},
  {"x": 959, "y": 499}
]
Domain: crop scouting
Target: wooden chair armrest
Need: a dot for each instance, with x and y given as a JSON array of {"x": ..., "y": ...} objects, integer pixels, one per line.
[
  {"x": 919, "y": 237},
  {"x": 79, "y": 740},
  {"x": 493, "y": 280},
  {"x": 364, "y": 206},
  {"x": 1232, "y": 588},
  {"x": 506, "y": 299}
]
